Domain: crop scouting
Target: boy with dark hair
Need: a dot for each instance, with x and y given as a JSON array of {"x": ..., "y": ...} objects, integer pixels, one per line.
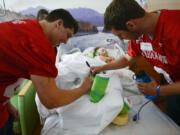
[
  {"x": 69, "y": 21},
  {"x": 26, "y": 51},
  {"x": 154, "y": 35},
  {"x": 121, "y": 11},
  {"x": 42, "y": 14}
]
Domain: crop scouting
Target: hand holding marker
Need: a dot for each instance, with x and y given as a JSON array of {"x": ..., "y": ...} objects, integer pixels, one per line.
[
  {"x": 99, "y": 86},
  {"x": 87, "y": 63}
]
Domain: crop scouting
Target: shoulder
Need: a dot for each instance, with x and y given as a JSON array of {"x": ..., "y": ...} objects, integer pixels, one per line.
[
  {"x": 170, "y": 24},
  {"x": 170, "y": 16}
]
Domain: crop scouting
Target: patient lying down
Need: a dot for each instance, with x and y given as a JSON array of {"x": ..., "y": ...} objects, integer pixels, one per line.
[{"x": 102, "y": 54}]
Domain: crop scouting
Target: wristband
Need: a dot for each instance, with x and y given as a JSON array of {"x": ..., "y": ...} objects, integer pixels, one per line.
[{"x": 157, "y": 90}]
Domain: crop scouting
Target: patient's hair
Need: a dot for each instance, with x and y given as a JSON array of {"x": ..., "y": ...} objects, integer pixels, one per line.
[
  {"x": 68, "y": 20},
  {"x": 42, "y": 14},
  {"x": 95, "y": 49}
]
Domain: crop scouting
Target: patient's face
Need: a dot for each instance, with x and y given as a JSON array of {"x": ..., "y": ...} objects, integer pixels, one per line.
[{"x": 102, "y": 51}]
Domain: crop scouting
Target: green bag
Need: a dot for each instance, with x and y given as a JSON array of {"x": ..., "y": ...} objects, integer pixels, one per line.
[
  {"x": 99, "y": 87},
  {"x": 25, "y": 103}
]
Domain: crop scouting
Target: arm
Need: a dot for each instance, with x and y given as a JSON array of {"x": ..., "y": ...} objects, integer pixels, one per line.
[
  {"x": 12, "y": 110},
  {"x": 122, "y": 62},
  {"x": 53, "y": 97},
  {"x": 165, "y": 90},
  {"x": 170, "y": 89}
]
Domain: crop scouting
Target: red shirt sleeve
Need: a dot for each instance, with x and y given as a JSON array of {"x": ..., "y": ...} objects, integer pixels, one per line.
[
  {"x": 41, "y": 58},
  {"x": 25, "y": 50}
]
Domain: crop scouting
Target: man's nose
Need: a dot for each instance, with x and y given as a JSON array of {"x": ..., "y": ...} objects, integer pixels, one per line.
[{"x": 120, "y": 37}]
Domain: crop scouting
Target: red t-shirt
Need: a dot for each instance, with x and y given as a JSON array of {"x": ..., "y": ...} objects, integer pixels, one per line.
[
  {"x": 163, "y": 51},
  {"x": 24, "y": 50}
]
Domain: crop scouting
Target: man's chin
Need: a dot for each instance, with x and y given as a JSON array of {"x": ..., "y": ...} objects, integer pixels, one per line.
[
  {"x": 135, "y": 37},
  {"x": 132, "y": 38},
  {"x": 139, "y": 36}
]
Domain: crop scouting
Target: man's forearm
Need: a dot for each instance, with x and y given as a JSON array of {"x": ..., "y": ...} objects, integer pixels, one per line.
[
  {"x": 170, "y": 89},
  {"x": 50, "y": 95},
  {"x": 61, "y": 97},
  {"x": 119, "y": 63}
]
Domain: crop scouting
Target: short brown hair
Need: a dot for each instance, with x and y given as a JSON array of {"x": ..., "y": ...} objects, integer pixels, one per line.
[
  {"x": 121, "y": 11},
  {"x": 68, "y": 20},
  {"x": 42, "y": 13}
]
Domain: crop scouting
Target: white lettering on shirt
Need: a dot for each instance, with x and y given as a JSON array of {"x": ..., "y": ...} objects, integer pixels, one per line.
[
  {"x": 165, "y": 74},
  {"x": 154, "y": 55},
  {"x": 161, "y": 44},
  {"x": 18, "y": 22},
  {"x": 146, "y": 46}
]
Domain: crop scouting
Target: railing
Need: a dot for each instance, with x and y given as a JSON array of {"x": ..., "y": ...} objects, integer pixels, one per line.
[{"x": 2, "y": 9}]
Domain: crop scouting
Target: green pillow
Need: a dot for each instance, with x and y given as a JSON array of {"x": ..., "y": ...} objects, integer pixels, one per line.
[{"x": 14, "y": 102}]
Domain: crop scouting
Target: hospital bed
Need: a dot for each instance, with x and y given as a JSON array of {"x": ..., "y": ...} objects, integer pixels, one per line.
[{"x": 152, "y": 121}]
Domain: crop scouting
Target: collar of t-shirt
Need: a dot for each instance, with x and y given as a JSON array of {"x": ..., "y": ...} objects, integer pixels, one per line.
[{"x": 151, "y": 35}]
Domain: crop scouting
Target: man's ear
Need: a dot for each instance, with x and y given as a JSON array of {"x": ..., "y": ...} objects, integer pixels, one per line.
[
  {"x": 131, "y": 25},
  {"x": 59, "y": 23}
]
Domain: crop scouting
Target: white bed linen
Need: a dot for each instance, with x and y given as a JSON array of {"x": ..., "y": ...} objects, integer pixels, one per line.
[{"x": 152, "y": 120}]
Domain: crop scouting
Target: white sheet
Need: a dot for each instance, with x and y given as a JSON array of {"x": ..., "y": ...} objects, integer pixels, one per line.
[
  {"x": 82, "y": 116},
  {"x": 152, "y": 120}
]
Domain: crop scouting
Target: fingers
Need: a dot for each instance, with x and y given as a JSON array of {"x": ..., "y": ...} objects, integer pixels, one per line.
[
  {"x": 88, "y": 79},
  {"x": 141, "y": 87},
  {"x": 87, "y": 84},
  {"x": 89, "y": 74},
  {"x": 95, "y": 70},
  {"x": 147, "y": 88},
  {"x": 92, "y": 71},
  {"x": 142, "y": 90},
  {"x": 16, "y": 116}
]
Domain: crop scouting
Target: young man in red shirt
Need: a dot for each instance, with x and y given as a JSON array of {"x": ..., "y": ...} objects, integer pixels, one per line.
[
  {"x": 156, "y": 36},
  {"x": 26, "y": 51}
]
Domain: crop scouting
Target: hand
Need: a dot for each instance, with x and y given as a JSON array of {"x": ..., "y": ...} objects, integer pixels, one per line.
[
  {"x": 95, "y": 70},
  {"x": 110, "y": 59},
  {"x": 12, "y": 110},
  {"x": 86, "y": 84},
  {"x": 148, "y": 88}
]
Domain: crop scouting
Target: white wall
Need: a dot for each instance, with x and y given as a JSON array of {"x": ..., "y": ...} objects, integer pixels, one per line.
[{"x": 163, "y": 4}]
